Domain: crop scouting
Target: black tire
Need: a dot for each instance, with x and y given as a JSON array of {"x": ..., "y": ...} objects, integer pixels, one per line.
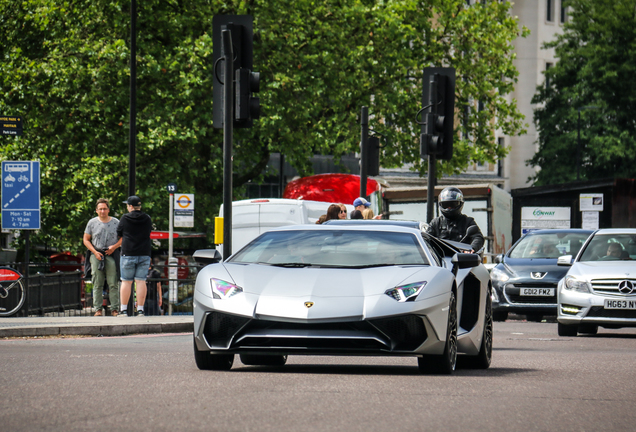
[
  {"x": 443, "y": 364},
  {"x": 534, "y": 317},
  {"x": 500, "y": 316},
  {"x": 590, "y": 329},
  {"x": 567, "y": 330},
  {"x": 11, "y": 297},
  {"x": 263, "y": 360},
  {"x": 484, "y": 357},
  {"x": 207, "y": 361}
]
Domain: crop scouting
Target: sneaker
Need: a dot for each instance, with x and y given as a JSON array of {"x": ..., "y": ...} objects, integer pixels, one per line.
[
  {"x": 98, "y": 313},
  {"x": 140, "y": 313},
  {"x": 114, "y": 313},
  {"x": 121, "y": 313}
]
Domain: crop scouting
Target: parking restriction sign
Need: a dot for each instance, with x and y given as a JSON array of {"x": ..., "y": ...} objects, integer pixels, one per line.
[{"x": 21, "y": 195}]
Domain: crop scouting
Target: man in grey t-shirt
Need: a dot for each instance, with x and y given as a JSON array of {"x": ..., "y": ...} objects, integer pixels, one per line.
[{"x": 100, "y": 237}]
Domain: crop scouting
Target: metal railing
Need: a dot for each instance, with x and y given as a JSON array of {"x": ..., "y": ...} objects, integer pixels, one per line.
[
  {"x": 67, "y": 293},
  {"x": 54, "y": 292}
]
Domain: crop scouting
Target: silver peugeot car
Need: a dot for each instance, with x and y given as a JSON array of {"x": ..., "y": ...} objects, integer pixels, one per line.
[{"x": 600, "y": 287}]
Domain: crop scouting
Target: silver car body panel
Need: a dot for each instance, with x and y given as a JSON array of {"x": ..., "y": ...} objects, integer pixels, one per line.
[{"x": 343, "y": 301}]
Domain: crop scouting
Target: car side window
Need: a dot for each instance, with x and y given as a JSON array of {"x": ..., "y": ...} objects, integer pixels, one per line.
[{"x": 434, "y": 252}]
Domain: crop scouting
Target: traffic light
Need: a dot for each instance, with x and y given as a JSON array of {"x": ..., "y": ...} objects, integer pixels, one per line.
[
  {"x": 247, "y": 107},
  {"x": 245, "y": 81},
  {"x": 373, "y": 156},
  {"x": 438, "y": 96}
]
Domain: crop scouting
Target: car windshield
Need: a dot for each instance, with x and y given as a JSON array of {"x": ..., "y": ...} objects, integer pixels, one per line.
[
  {"x": 610, "y": 247},
  {"x": 333, "y": 248},
  {"x": 548, "y": 245}
]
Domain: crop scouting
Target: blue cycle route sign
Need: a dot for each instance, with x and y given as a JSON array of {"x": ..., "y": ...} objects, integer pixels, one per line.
[{"x": 20, "y": 195}]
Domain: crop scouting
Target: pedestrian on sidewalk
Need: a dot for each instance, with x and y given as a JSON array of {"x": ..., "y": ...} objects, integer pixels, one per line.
[
  {"x": 134, "y": 232},
  {"x": 100, "y": 237}
]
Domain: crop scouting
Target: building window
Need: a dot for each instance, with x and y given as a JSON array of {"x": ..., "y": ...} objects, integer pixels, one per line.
[
  {"x": 549, "y": 16},
  {"x": 547, "y": 78},
  {"x": 564, "y": 13}
]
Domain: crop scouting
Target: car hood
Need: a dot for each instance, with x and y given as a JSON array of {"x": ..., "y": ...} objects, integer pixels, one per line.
[
  {"x": 521, "y": 268},
  {"x": 300, "y": 282},
  {"x": 604, "y": 269},
  {"x": 333, "y": 292}
]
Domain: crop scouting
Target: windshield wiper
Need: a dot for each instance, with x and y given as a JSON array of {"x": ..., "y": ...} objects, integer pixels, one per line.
[
  {"x": 291, "y": 264},
  {"x": 371, "y": 265}
]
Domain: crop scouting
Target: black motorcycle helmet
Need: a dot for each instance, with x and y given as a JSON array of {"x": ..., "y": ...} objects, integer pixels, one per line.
[{"x": 451, "y": 202}]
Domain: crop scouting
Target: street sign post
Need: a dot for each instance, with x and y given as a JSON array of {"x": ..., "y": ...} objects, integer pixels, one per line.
[
  {"x": 20, "y": 195},
  {"x": 21, "y": 205}
]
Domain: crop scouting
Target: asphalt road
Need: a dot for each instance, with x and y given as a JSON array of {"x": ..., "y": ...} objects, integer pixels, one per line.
[{"x": 538, "y": 382}]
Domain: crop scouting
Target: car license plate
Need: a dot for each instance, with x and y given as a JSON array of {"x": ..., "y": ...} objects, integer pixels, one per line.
[
  {"x": 619, "y": 304},
  {"x": 545, "y": 292}
]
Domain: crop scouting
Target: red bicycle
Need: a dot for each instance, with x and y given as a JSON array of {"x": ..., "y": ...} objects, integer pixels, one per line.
[{"x": 12, "y": 292}]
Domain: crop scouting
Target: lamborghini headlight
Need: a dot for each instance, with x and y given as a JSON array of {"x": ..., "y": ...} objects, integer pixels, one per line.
[
  {"x": 406, "y": 292},
  {"x": 222, "y": 290},
  {"x": 577, "y": 284}
]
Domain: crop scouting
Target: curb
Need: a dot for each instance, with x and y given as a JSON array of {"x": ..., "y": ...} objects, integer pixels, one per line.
[{"x": 79, "y": 329}]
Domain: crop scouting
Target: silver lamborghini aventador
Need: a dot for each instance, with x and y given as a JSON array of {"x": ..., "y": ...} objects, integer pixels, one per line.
[{"x": 363, "y": 289}]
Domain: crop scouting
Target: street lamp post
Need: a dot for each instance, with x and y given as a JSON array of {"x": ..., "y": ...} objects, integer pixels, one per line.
[
  {"x": 578, "y": 139},
  {"x": 132, "y": 140}
]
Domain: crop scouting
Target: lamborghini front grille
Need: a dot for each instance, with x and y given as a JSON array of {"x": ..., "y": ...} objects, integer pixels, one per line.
[{"x": 403, "y": 333}]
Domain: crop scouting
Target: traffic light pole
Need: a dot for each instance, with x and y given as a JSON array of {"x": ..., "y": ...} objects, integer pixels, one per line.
[
  {"x": 228, "y": 129},
  {"x": 364, "y": 139},
  {"x": 430, "y": 192},
  {"x": 436, "y": 139},
  {"x": 432, "y": 159}
]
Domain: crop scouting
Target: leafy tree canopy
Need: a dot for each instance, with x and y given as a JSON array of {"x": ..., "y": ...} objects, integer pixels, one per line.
[
  {"x": 65, "y": 68},
  {"x": 594, "y": 78}
]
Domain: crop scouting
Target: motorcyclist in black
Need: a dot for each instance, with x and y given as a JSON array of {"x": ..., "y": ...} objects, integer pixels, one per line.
[{"x": 452, "y": 224}]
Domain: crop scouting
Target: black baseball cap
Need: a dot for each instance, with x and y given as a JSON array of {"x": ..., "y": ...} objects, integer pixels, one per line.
[{"x": 133, "y": 201}]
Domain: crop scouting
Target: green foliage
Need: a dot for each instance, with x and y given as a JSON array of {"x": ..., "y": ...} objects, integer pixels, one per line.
[
  {"x": 65, "y": 68},
  {"x": 594, "y": 75}
]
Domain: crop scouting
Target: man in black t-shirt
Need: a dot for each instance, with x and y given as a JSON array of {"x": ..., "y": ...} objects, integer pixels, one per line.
[{"x": 134, "y": 233}]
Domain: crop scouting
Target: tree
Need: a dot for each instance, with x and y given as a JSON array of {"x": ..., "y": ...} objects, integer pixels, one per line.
[
  {"x": 65, "y": 70},
  {"x": 593, "y": 78}
]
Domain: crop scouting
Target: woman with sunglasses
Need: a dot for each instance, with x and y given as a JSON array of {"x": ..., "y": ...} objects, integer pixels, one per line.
[
  {"x": 334, "y": 211},
  {"x": 343, "y": 212}
]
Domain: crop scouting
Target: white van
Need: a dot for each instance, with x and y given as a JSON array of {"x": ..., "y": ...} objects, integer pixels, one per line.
[{"x": 250, "y": 218}]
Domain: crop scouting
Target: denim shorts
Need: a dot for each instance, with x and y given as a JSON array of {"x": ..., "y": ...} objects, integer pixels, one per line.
[{"x": 134, "y": 267}]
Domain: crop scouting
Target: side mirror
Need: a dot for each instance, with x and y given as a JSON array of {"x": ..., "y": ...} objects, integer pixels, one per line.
[
  {"x": 465, "y": 260},
  {"x": 470, "y": 231},
  {"x": 565, "y": 260},
  {"x": 207, "y": 256},
  {"x": 499, "y": 259}
]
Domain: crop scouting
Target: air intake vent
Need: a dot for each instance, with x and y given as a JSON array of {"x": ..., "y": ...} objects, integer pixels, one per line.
[
  {"x": 220, "y": 328},
  {"x": 406, "y": 332}
]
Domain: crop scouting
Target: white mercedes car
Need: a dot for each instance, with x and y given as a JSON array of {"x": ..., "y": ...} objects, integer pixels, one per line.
[
  {"x": 600, "y": 287},
  {"x": 352, "y": 289}
]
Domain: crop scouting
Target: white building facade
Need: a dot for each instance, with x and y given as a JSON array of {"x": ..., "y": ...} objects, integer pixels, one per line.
[{"x": 544, "y": 19}]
